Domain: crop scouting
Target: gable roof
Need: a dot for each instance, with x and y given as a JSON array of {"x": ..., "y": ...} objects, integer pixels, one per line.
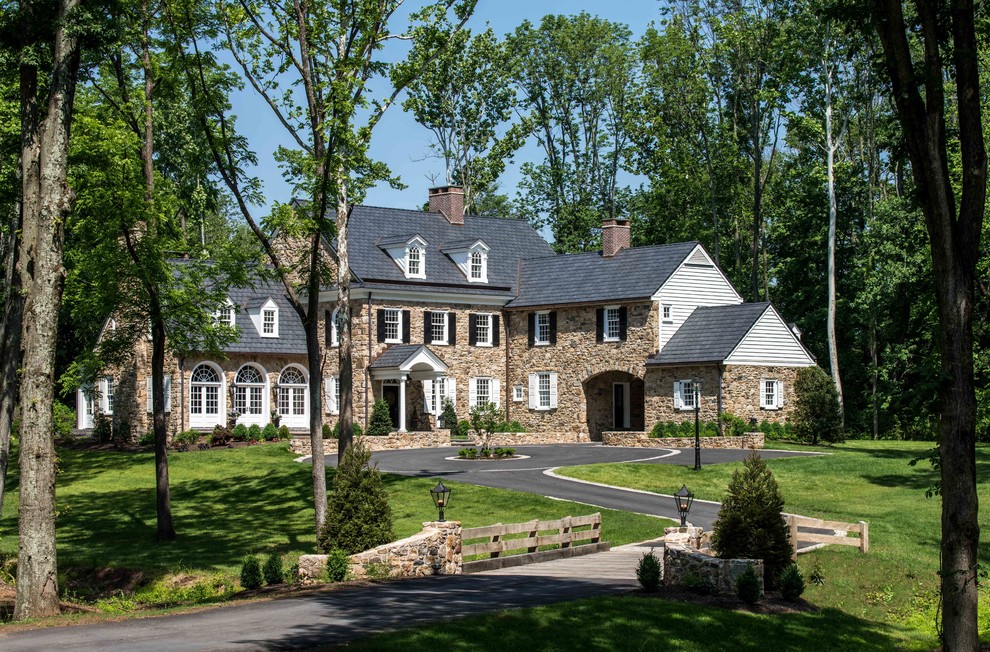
[
  {"x": 399, "y": 355},
  {"x": 635, "y": 273},
  {"x": 291, "y": 336},
  {"x": 370, "y": 228},
  {"x": 710, "y": 334}
]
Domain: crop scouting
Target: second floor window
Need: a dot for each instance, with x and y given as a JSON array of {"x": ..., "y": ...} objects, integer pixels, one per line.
[
  {"x": 415, "y": 261},
  {"x": 542, "y": 336},
  {"x": 667, "y": 312},
  {"x": 483, "y": 333},
  {"x": 483, "y": 393},
  {"x": 393, "y": 325},
  {"x": 438, "y": 327},
  {"x": 612, "y": 328},
  {"x": 477, "y": 266},
  {"x": 268, "y": 322}
]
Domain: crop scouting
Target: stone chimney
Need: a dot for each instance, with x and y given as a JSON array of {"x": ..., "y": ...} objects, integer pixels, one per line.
[
  {"x": 449, "y": 202},
  {"x": 615, "y": 236}
]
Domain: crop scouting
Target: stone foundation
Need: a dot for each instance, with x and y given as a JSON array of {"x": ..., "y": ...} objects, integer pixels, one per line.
[
  {"x": 441, "y": 438},
  {"x": 751, "y": 440},
  {"x": 434, "y": 551},
  {"x": 681, "y": 563}
]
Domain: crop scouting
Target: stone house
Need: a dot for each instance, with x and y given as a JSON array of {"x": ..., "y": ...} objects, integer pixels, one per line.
[{"x": 475, "y": 309}]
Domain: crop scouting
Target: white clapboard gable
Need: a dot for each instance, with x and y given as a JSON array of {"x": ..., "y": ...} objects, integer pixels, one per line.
[{"x": 770, "y": 343}]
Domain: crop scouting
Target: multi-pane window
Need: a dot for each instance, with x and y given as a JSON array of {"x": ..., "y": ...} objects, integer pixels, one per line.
[
  {"x": 292, "y": 393},
  {"x": 249, "y": 391},
  {"x": 771, "y": 394},
  {"x": 204, "y": 396},
  {"x": 438, "y": 395},
  {"x": 542, "y": 335},
  {"x": 393, "y": 325},
  {"x": 518, "y": 393},
  {"x": 268, "y": 322},
  {"x": 108, "y": 395},
  {"x": 225, "y": 315},
  {"x": 544, "y": 389},
  {"x": 483, "y": 332},
  {"x": 438, "y": 327},
  {"x": 477, "y": 266},
  {"x": 667, "y": 312},
  {"x": 483, "y": 391},
  {"x": 337, "y": 323},
  {"x": 689, "y": 390},
  {"x": 612, "y": 327},
  {"x": 414, "y": 261}
]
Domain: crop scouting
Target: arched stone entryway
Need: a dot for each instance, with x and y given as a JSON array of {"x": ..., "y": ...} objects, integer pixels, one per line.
[{"x": 615, "y": 401}]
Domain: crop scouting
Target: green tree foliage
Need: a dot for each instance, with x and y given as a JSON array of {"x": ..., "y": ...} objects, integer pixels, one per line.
[
  {"x": 381, "y": 420},
  {"x": 485, "y": 421},
  {"x": 749, "y": 524},
  {"x": 648, "y": 572},
  {"x": 251, "y": 573},
  {"x": 817, "y": 416},
  {"x": 272, "y": 570},
  {"x": 358, "y": 513}
]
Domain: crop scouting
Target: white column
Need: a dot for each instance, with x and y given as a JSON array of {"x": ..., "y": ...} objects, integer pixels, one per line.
[{"x": 402, "y": 404}]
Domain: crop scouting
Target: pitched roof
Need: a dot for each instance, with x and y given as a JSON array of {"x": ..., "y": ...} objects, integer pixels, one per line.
[
  {"x": 635, "y": 273},
  {"x": 710, "y": 334},
  {"x": 397, "y": 355},
  {"x": 370, "y": 227},
  {"x": 291, "y": 336}
]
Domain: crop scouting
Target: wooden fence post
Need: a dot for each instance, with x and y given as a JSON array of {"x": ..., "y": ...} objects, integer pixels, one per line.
[
  {"x": 565, "y": 530},
  {"x": 597, "y": 527},
  {"x": 495, "y": 539},
  {"x": 864, "y": 537},
  {"x": 532, "y": 534},
  {"x": 792, "y": 524}
]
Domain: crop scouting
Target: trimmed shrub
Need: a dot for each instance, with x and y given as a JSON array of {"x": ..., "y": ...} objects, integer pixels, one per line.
[
  {"x": 817, "y": 414},
  {"x": 250, "y": 573},
  {"x": 648, "y": 572},
  {"x": 338, "y": 565},
  {"x": 748, "y": 586},
  {"x": 463, "y": 429},
  {"x": 64, "y": 420},
  {"x": 733, "y": 426},
  {"x": 184, "y": 437},
  {"x": 102, "y": 430},
  {"x": 468, "y": 453},
  {"x": 221, "y": 436},
  {"x": 272, "y": 569},
  {"x": 355, "y": 430},
  {"x": 749, "y": 525},
  {"x": 671, "y": 429},
  {"x": 240, "y": 432},
  {"x": 358, "y": 513},
  {"x": 270, "y": 432},
  {"x": 381, "y": 420},
  {"x": 791, "y": 583},
  {"x": 254, "y": 432},
  {"x": 283, "y": 432},
  {"x": 448, "y": 418},
  {"x": 147, "y": 438}
]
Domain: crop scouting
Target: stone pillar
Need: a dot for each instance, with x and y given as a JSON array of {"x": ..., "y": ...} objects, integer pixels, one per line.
[{"x": 402, "y": 404}]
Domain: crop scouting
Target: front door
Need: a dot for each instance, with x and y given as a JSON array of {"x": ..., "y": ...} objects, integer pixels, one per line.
[
  {"x": 390, "y": 394},
  {"x": 620, "y": 406}
]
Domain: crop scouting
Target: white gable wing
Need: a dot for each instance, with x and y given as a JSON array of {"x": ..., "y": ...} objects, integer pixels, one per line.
[{"x": 770, "y": 343}]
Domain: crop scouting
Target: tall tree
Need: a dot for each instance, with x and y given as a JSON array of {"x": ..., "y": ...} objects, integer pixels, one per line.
[
  {"x": 953, "y": 205},
  {"x": 327, "y": 55}
]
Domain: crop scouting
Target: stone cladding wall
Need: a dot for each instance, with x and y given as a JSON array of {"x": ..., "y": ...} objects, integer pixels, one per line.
[
  {"x": 751, "y": 440},
  {"x": 441, "y": 439},
  {"x": 436, "y": 550},
  {"x": 660, "y": 393},
  {"x": 681, "y": 562},
  {"x": 741, "y": 391}
]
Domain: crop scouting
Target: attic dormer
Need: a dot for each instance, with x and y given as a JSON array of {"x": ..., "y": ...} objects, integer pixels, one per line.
[
  {"x": 409, "y": 253},
  {"x": 471, "y": 257},
  {"x": 264, "y": 316}
]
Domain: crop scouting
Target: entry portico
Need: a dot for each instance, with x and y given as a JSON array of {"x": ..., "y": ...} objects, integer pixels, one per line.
[{"x": 402, "y": 363}]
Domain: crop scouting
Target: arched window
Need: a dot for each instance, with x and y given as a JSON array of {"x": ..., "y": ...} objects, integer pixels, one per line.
[
  {"x": 292, "y": 397},
  {"x": 477, "y": 266},
  {"x": 249, "y": 394},
  {"x": 205, "y": 396},
  {"x": 414, "y": 261},
  {"x": 337, "y": 320}
]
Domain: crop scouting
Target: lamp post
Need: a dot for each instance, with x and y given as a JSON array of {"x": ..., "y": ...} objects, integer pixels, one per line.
[
  {"x": 683, "y": 498},
  {"x": 697, "y": 426},
  {"x": 441, "y": 498}
]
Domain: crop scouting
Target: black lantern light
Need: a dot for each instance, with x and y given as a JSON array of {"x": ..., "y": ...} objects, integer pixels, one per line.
[
  {"x": 441, "y": 498},
  {"x": 683, "y": 498}
]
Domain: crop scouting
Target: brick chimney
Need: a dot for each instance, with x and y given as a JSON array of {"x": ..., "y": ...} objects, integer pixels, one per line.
[
  {"x": 449, "y": 202},
  {"x": 615, "y": 236}
]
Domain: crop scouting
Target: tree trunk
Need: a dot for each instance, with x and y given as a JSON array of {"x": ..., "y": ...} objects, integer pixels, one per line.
[
  {"x": 312, "y": 325},
  {"x": 46, "y": 202},
  {"x": 10, "y": 347},
  {"x": 163, "y": 497},
  {"x": 344, "y": 306},
  {"x": 757, "y": 209},
  {"x": 830, "y": 147}
]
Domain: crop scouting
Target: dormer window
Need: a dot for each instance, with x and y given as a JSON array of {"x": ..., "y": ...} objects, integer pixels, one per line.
[
  {"x": 225, "y": 316},
  {"x": 266, "y": 318},
  {"x": 477, "y": 266},
  {"x": 414, "y": 262},
  {"x": 408, "y": 252},
  {"x": 471, "y": 257}
]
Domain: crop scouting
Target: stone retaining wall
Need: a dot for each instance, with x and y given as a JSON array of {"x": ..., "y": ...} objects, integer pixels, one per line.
[
  {"x": 681, "y": 562},
  {"x": 434, "y": 551},
  {"x": 441, "y": 438},
  {"x": 752, "y": 440}
]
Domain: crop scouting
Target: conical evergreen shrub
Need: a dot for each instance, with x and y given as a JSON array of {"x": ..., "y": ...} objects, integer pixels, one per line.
[
  {"x": 381, "y": 421},
  {"x": 749, "y": 525},
  {"x": 358, "y": 513}
]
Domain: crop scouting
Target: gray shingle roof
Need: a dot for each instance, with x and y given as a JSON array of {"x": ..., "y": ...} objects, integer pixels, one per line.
[
  {"x": 398, "y": 239},
  {"x": 291, "y": 336},
  {"x": 395, "y": 355},
  {"x": 710, "y": 334},
  {"x": 635, "y": 273},
  {"x": 509, "y": 241}
]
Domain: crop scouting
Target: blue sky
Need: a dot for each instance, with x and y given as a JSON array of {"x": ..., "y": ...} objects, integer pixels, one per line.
[{"x": 398, "y": 140}]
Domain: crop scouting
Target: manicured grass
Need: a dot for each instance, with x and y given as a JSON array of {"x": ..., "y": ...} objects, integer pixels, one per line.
[
  {"x": 896, "y": 582},
  {"x": 642, "y": 624},
  {"x": 230, "y": 502}
]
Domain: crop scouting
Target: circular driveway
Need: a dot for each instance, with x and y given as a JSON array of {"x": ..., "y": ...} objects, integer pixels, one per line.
[{"x": 535, "y": 473}]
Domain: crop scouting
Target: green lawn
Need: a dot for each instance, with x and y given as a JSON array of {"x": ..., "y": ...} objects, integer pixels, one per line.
[
  {"x": 231, "y": 502},
  {"x": 860, "y": 480}
]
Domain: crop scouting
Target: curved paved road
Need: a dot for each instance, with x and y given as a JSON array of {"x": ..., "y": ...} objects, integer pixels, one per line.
[{"x": 534, "y": 474}]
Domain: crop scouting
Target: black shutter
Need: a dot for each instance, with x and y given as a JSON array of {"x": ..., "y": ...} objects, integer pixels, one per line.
[
  {"x": 496, "y": 331},
  {"x": 427, "y": 327},
  {"x": 532, "y": 328},
  {"x": 600, "y": 325},
  {"x": 327, "y": 325},
  {"x": 623, "y": 323},
  {"x": 381, "y": 324},
  {"x": 405, "y": 327},
  {"x": 451, "y": 328},
  {"x": 473, "y": 329},
  {"x": 553, "y": 327}
]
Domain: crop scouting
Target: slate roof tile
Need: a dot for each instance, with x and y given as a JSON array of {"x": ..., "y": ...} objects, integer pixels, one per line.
[{"x": 710, "y": 334}]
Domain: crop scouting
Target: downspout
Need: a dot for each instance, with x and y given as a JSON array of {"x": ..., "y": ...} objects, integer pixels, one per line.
[
  {"x": 508, "y": 390},
  {"x": 182, "y": 393},
  {"x": 719, "y": 399},
  {"x": 367, "y": 367}
]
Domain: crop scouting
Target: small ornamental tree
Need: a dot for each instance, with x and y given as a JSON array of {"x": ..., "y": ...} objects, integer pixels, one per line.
[
  {"x": 381, "y": 420},
  {"x": 817, "y": 414},
  {"x": 485, "y": 421},
  {"x": 749, "y": 525},
  {"x": 358, "y": 513}
]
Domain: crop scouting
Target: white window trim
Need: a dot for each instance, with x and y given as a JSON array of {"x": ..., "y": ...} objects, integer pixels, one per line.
[
  {"x": 398, "y": 338},
  {"x": 667, "y": 313},
  {"x": 518, "y": 393},
  {"x": 332, "y": 394},
  {"x": 228, "y": 305},
  {"x": 269, "y": 307},
  {"x": 535, "y": 396},
  {"x": 106, "y": 391},
  {"x": 408, "y": 259},
  {"x": 605, "y": 335},
  {"x": 536, "y": 325},
  {"x": 778, "y": 394},
  {"x": 679, "y": 402},
  {"x": 494, "y": 390},
  {"x": 334, "y": 328},
  {"x": 446, "y": 328},
  {"x": 484, "y": 264},
  {"x": 491, "y": 329}
]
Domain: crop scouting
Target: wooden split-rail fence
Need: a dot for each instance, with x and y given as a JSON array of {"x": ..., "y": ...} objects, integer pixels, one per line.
[
  {"x": 799, "y": 526},
  {"x": 503, "y": 540}
]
